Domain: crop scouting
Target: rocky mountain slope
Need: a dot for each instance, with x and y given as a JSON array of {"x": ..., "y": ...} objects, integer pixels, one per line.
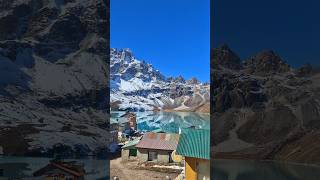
[
  {"x": 264, "y": 109},
  {"x": 54, "y": 76},
  {"x": 137, "y": 85}
]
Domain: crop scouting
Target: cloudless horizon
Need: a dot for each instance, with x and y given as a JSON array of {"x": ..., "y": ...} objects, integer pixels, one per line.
[
  {"x": 173, "y": 36},
  {"x": 291, "y": 29}
]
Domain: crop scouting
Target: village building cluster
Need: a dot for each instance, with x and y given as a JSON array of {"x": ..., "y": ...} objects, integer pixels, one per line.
[{"x": 189, "y": 148}]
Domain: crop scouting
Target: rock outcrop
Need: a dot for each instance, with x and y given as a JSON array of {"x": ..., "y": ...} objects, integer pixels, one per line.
[{"x": 263, "y": 109}]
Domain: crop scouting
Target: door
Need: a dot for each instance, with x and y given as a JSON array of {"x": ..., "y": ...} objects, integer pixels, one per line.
[
  {"x": 170, "y": 157},
  {"x": 133, "y": 152},
  {"x": 152, "y": 155}
]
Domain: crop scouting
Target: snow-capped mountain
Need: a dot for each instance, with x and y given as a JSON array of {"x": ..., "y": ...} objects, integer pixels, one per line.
[
  {"x": 54, "y": 76},
  {"x": 137, "y": 85}
]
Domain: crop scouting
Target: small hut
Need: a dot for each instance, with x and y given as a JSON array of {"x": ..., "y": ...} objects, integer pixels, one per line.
[
  {"x": 58, "y": 170},
  {"x": 157, "y": 147},
  {"x": 129, "y": 150}
]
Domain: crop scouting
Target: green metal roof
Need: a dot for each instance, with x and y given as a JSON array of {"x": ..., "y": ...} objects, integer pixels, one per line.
[
  {"x": 194, "y": 143},
  {"x": 131, "y": 144}
]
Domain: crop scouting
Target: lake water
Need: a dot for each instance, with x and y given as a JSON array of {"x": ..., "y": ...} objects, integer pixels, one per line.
[
  {"x": 168, "y": 121},
  {"x": 257, "y": 170},
  {"x": 24, "y": 167}
]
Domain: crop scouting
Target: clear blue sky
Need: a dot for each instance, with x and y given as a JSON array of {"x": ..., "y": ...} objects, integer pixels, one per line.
[
  {"x": 172, "y": 35},
  {"x": 290, "y": 28}
]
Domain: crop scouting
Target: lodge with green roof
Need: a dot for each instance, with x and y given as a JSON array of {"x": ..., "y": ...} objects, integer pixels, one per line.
[
  {"x": 194, "y": 146},
  {"x": 129, "y": 150}
]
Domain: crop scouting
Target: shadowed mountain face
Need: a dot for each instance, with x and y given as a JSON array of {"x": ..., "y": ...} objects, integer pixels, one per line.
[
  {"x": 264, "y": 109},
  {"x": 54, "y": 76}
]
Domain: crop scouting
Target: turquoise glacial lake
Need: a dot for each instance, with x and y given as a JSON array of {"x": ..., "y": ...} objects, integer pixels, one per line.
[{"x": 169, "y": 122}]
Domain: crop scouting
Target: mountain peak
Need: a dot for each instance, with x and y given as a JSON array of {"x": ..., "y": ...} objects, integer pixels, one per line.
[
  {"x": 179, "y": 79},
  {"x": 137, "y": 85},
  {"x": 193, "y": 80},
  {"x": 125, "y": 66},
  {"x": 126, "y": 55},
  {"x": 267, "y": 62},
  {"x": 268, "y": 55},
  {"x": 224, "y": 47},
  {"x": 223, "y": 56}
]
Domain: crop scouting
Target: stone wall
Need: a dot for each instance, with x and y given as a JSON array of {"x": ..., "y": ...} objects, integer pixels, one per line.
[
  {"x": 163, "y": 156},
  {"x": 142, "y": 155},
  {"x": 125, "y": 154}
]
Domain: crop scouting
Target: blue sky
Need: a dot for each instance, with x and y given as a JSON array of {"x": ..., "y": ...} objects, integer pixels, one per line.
[
  {"x": 290, "y": 28},
  {"x": 172, "y": 35}
]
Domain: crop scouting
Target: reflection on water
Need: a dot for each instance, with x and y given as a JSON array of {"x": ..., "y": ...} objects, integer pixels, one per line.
[
  {"x": 24, "y": 167},
  {"x": 255, "y": 170},
  {"x": 13, "y": 170},
  {"x": 168, "y": 121}
]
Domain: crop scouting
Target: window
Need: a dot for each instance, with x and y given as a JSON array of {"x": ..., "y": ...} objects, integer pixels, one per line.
[{"x": 152, "y": 155}]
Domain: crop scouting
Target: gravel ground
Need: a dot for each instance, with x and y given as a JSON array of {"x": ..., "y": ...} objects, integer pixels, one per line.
[{"x": 129, "y": 171}]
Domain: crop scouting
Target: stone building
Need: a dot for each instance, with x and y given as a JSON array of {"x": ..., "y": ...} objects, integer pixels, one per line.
[
  {"x": 131, "y": 120},
  {"x": 157, "y": 147},
  {"x": 129, "y": 150}
]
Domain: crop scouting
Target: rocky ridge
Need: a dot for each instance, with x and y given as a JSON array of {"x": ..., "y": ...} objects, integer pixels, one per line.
[
  {"x": 138, "y": 86},
  {"x": 264, "y": 109}
]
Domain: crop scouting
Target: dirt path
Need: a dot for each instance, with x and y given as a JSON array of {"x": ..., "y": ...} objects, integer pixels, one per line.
[{"x": 127, "y": 171}]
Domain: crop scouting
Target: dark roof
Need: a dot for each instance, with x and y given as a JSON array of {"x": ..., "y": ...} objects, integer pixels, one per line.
[
  {"x": 70, "y": 168},
  {"x": 159, "y": 141},
  {"x": 194, "y": 143}
]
